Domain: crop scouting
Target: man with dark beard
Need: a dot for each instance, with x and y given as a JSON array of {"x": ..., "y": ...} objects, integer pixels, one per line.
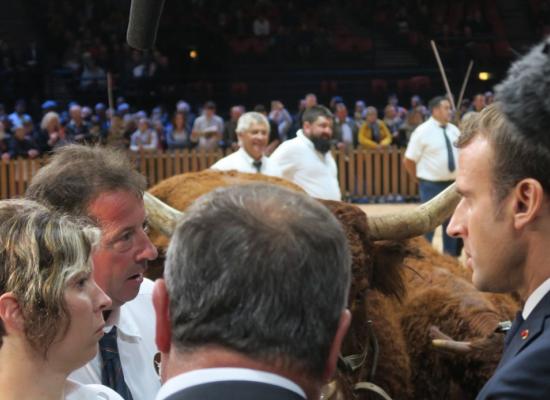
[{"x": 306, "y": 160}]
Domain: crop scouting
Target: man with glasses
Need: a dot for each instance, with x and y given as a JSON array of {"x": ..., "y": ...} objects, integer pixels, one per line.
[{"x": 100, "y": 184}]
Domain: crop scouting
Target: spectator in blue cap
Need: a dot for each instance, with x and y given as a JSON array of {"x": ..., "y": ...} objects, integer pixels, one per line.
[{"x": 49, "y": 105}]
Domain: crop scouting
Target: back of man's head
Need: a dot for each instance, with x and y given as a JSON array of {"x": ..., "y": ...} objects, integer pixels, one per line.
[
  {"x": 524, "y": 95},
  {"x": 261, "y": 271},
  {"x": 76, "y": 175}
]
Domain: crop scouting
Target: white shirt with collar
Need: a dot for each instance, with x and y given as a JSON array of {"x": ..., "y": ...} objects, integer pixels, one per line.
[
  {"x": 209, "y": 375},
  {"x": 76, "y": 391},
  {"x": 314, "y": 172},
  {"x": 535, "y": 298},
  {"x": 242, "y": 162},
  {"x": 427, "y": 148},
  {"x": 135, "y": 322}
]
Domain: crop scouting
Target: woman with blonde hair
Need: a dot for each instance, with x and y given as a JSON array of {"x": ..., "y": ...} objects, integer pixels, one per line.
[{"x": 50, "y": 307}]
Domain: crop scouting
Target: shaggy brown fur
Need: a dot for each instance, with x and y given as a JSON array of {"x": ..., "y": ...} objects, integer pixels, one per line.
[
  {"x": 434, "y": 372},
  {"x": 439, "y": 293},
  {"x": 402, "y": 303},
  {"x": 181, "y": 190},
  {"x": 377, "y": 286}
]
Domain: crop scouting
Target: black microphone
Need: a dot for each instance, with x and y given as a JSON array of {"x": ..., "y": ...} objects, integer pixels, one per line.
[{"x": 143, "y": 23}]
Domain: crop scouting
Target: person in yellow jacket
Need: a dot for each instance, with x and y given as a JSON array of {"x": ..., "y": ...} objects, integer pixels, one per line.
[{"x": 374, "y": 133}]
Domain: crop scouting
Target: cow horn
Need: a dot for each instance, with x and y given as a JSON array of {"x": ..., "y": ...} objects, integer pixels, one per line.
[
  {"x": 423, "y": 219},
  {"x": 160, "y": 215}
]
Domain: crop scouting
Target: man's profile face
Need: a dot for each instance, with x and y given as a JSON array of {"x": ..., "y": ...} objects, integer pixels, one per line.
[
  {"x": 120, "y": 259},
  {"x": 443, "y": 112},
  {"x": 254, "y": 140},
  {"x": 485, "y": 225}
]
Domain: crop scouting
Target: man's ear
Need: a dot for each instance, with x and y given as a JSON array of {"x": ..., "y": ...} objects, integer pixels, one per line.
[
  {"x": 306, "y": 127},
  {"x": 343, "y": 326},
  {"x": 161, "y": 304},
  {"x": 528, "y": 200},
  {"x": 11, "y": 314}
]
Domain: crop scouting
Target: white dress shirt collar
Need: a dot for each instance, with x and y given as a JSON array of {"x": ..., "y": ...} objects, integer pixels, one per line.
[
  {"x": 242, "y": 152},
  {"x": 125, "y": 326},
  {"x": 535, "y": 298},
  {"x": 300, "y": 134},
  {"x": 209, "y": 375},
  {"x": 435, "y": 122}
]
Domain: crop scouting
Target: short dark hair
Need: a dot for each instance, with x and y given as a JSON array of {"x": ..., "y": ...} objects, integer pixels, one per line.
[
  {"x": 271, "y": 284},
  {"x": 76, "y": 175},
  {"x": 260, "y": 108},
  {"x": 516, "y": 156},
  {"x": 311, "y": 114},
  {"x": 209, "y": 105},
  {"x": 436, "y": 102}
]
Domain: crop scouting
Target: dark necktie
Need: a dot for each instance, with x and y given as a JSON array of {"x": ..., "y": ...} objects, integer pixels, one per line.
[
  {"x": 111, "y": 371},
  {"x": 450, "y": 156},
  {"x": 258, "y": 165}
]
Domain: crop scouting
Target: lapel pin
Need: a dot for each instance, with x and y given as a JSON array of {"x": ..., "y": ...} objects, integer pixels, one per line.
[{"x": 524, "y": 334}]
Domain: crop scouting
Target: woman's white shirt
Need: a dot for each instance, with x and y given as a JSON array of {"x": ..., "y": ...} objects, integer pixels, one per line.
[{"x": 77, "y": 391}]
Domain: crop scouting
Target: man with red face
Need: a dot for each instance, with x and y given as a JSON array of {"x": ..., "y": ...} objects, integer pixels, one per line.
[
  {"x": 306, "y": 160},
  {"x": 253, "y": 134},
  {"x": 100, "y": 184},
  {"x": 504, "y": 219}
]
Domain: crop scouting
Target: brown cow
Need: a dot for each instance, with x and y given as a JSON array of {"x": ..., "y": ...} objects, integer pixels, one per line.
[{"x": 393, "y": 307}]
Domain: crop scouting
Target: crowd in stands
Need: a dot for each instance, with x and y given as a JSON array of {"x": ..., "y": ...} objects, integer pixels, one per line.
[
  {"x": 81, "y": 42},
  {"x": 204, "y": 128}
]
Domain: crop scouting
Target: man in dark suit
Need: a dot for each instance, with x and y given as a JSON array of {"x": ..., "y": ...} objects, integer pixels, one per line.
[
  {"x": 504, "y": 219},
  {"x": 253, "y": 301}
]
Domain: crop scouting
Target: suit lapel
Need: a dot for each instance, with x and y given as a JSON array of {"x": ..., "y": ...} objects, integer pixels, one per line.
[{"x": 529, "y": 330}]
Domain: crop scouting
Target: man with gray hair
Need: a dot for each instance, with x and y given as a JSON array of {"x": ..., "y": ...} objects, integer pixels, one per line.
[
  {"x": 256, "y": 310},
  {"x": 253, "y": 133}
]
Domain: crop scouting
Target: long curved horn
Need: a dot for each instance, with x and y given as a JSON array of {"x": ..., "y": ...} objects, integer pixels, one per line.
[
  {"x": 408, "y": 224},
  {"x": 160, "y": 215}
]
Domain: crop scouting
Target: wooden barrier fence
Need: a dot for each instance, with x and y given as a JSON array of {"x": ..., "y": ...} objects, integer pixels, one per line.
[{"x": 361, "y": 173}]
